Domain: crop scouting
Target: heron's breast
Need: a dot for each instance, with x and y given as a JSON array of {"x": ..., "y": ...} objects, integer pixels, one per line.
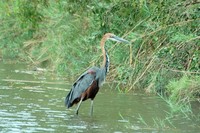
[{"x": 91, "y": 91}]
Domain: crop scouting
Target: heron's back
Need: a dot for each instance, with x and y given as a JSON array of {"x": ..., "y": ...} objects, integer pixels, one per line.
[{"x": 79, "y": 87}]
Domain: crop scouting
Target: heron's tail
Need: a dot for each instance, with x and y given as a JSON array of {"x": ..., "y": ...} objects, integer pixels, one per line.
[{"x": 68, "y": 100}]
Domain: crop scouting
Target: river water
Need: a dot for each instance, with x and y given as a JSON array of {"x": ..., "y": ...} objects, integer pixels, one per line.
[{"x": 33, "y": 101}]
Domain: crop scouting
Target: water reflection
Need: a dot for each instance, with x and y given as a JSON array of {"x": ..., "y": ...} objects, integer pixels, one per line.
[{"x": 31, "y": 102}]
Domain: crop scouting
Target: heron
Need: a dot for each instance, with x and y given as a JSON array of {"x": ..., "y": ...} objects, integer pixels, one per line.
[{"x": 87, "y": 85}]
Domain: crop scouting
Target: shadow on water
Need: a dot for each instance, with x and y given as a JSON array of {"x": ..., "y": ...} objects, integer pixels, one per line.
[{"x": 34, "y": 102}]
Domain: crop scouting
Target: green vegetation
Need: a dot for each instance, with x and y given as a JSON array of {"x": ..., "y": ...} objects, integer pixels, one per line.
[
  {"x": 156, "y": 123},
  {"x": 164, "y": 57},
  {"x": 182, "y": 92}
]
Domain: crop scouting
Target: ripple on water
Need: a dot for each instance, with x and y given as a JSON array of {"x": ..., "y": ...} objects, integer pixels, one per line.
[
  {"x": 5, "y": 87},
  {"x": 37, "y": 89},
  {"x": 3, "y": 96},
  {"x": 21, "y": 121},
  {"x": 24, "y": 72},
  {"x": 76, "y": 127}
]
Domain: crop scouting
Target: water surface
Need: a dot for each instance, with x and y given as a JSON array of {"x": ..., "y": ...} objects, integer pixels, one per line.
[{"x": 33, "y": 101}]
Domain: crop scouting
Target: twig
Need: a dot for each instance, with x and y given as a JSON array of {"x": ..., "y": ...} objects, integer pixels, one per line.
[
  {"x": 138, "y": 78},
  {"x": 181, "y": 71},
  {"x": 162, "y": 28}
]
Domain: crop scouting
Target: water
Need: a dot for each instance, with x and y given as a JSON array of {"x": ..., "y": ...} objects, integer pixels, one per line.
[{"x": 32, "y": 101}]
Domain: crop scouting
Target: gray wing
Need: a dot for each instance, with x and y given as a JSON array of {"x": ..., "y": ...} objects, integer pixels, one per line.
[{"x": 79, "y": 86}]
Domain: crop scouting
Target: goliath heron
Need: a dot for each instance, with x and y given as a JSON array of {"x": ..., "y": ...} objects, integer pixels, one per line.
[{"x": 87, "y": 85}]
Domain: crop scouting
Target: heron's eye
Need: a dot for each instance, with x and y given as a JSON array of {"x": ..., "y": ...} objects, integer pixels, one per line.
[{"x": 111, "y": 36}]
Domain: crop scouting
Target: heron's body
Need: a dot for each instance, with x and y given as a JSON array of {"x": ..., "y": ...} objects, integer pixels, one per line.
[{"x": 88, "y": 84}]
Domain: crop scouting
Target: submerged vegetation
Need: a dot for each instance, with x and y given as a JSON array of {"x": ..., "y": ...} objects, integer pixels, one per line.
[{"x": 64, "y": 36}]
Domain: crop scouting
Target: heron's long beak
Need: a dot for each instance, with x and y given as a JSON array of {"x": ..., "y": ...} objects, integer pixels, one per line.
[{"x": 118, "y": 39}]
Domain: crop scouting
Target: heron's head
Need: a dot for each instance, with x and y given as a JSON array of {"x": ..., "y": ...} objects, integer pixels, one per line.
[{"x": 113, "y": 37}]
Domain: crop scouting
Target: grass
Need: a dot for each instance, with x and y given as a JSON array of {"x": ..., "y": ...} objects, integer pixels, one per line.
[
  {"x": 182, "y": 92},
  {"x": 152, "y": 124}
]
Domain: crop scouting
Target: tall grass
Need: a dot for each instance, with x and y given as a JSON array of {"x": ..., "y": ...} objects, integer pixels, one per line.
[{"x": 182, "y": 92}]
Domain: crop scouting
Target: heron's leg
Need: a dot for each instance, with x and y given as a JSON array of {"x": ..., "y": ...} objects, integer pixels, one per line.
[
  {"x": 91, "y": 108},
  {"x": 79, "y": 104}
]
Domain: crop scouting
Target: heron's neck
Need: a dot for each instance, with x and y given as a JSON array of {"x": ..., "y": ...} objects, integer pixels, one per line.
[
  {"x": 107, "y": 64},
  {"x": 106, "y": 61}
]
